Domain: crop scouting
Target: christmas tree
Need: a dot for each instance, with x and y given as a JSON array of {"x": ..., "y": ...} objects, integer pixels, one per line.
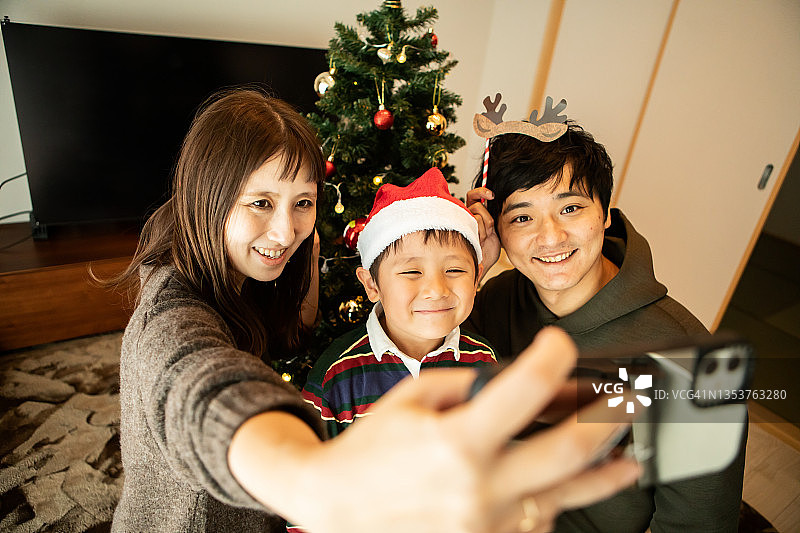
[{"x": 382, "y": 118}]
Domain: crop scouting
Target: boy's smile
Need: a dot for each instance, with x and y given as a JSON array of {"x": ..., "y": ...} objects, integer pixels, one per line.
[{"x": 427, "y": 289}]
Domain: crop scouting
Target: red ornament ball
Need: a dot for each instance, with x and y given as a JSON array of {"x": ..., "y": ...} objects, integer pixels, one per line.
[
  {"x": 330, "y": 169},
  {"x": 434, "y": 40},
  {"x": 352, "y": 231},
  {"x": 383, "y": 119}
]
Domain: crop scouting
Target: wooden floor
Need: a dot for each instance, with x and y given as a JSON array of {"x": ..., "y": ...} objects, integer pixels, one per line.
[{"x": 772, "y": 470}]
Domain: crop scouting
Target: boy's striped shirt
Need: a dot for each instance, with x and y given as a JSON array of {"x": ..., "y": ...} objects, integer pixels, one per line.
[{"x": 348, "y": 378}]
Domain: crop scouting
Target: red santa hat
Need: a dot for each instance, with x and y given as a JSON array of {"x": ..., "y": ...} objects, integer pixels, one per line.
[{"x": 424, "y": 204}]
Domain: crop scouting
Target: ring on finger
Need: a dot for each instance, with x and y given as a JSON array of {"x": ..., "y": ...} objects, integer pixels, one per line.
[{"x": 531, "y": 515}]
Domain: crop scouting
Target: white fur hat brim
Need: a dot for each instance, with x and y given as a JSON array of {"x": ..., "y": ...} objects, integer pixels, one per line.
[{"x": 403, "y": 217}]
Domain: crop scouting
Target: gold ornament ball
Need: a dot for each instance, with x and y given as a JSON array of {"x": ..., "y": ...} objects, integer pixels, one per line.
[
  {"x": 385, "y": 54},
  {"x": 377, "y": 180},
  {"x": 402, "y": 57},
  {"x": 339, "y": 208},
  {"x": 287, "y": 377},
  {"x": 440, "y": 158},
  {"x": 352, "y": 310},
  {"x": 436, "y": 124},
  {"x": 323, "y": 82}
]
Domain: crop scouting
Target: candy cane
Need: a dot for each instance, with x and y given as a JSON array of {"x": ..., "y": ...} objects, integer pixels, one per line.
[{"x": 485, "y": 164}]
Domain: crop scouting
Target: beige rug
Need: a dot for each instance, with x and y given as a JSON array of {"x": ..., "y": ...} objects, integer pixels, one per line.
[{"x": 59, "y": 436}]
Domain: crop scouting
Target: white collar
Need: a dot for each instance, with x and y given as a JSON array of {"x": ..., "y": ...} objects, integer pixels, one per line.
[{"x": 381, "y": 343}]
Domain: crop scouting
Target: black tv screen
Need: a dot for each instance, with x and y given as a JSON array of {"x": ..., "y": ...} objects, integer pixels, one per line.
[{"x": 102, "y": 114}]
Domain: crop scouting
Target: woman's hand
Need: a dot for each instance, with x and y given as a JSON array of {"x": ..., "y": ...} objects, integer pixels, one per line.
[
  {"x": 310, "y": 304},
  {"x": 490, "y": 242},
  {"x": 426, "y": 461}
]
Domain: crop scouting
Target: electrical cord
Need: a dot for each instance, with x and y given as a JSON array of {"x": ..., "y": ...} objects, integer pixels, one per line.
[
  {"x": 7, "y": 246},
  {"x": 16, "y": 214},
  {"x": 12, "y": 179}
]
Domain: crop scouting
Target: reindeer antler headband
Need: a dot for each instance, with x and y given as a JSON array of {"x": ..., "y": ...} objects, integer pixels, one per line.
[{"x": 548, "y": 128}]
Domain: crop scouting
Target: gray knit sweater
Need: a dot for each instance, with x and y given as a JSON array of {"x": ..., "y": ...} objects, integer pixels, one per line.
[{"x": 184, "y": 390}]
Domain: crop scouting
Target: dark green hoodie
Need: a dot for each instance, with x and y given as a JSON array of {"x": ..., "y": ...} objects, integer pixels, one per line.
[{"x": 632, "y": 309}]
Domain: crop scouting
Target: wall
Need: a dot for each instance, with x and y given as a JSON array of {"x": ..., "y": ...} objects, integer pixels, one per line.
[
  {"x": 602, "y": 63},
  {"x": 491, "y": 57},
  {"x": 508, "y": 67}
]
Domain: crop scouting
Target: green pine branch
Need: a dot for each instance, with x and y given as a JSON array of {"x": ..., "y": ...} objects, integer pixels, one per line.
[{"x": 344, "y": 122}]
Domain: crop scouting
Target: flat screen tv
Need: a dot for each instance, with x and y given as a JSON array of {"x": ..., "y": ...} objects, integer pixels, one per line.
[{"x": 102, "y": 114}]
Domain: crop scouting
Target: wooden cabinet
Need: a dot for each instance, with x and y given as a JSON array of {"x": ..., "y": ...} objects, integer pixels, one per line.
[{"x": 46, "y": 294}]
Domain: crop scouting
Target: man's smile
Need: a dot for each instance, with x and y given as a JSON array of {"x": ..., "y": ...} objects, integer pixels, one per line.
[{"x": 555, "y": 258}]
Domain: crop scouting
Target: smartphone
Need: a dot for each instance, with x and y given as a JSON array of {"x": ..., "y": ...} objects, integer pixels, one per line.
[
  {"x": 689, "y": 399},
  {"x": 697, "y": 420}
]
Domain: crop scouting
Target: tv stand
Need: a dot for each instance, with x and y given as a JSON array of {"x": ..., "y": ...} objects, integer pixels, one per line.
[{"x": 46, "y": 294}]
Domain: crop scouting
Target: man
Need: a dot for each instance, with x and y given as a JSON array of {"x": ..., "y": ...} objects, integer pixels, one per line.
[{"x": 583, "y": 267}]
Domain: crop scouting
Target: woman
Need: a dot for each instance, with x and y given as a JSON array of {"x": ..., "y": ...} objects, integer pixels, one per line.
[{"x": 213, "y": 440}]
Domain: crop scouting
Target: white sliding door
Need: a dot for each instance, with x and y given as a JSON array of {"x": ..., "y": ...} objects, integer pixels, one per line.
[{"x": 725, "y": 104}]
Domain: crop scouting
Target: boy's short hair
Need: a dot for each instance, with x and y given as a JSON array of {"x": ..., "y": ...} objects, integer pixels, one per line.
[
  {"x": 520, "y": 162},
  {"x": 441, "y": 236}
]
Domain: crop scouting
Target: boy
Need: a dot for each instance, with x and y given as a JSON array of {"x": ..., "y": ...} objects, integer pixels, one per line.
[{"x": 420, "y": 265}]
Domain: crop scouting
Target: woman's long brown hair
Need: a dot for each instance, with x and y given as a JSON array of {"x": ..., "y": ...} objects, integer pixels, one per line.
[{"x": 232, "y": 135}]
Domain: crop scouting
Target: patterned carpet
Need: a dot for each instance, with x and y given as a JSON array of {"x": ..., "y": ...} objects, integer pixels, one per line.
[{"x": 59, "y": 438}]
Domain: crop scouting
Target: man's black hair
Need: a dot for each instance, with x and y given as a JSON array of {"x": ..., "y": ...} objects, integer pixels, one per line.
[{"x": 520, "y": 162}]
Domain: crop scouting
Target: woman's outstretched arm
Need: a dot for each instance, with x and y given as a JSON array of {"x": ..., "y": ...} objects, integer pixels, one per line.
[{"x": 426, "y": 460}]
